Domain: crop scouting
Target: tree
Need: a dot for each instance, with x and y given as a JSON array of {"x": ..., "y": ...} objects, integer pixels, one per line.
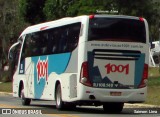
[
  {"x": 5, "y": 17},
  {"x": 155, "y": 24},
  {"x": 32, "y": 10},
  {"x": 83, "y": 7},
  {"x": 55, "y": 9},
  {"x": 11, "y": 26}
]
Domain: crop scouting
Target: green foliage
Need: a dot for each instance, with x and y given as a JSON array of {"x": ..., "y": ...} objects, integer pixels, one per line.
[
  {"x": 51, "y": 9},
  {"x": 73, "y": 9},
  {"x": 32, "y": 10},
  {"x": 83, "y": 7},
  {"x": 90, "y": 7},
  {"x": 55, "y": 9}
]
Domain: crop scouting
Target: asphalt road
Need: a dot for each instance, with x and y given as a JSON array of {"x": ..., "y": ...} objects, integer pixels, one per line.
[{"x": 9, "y": 104}]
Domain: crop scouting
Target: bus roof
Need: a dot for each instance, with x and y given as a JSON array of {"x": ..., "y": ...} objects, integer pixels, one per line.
[
  {"x": 67, "y": 20},
  {"x": 48, "y": 25}
]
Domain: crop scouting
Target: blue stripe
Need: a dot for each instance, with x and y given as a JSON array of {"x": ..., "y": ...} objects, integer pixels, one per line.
[
  {"x": 139, "y": 65},
  {"x": 57, "y": 63}
]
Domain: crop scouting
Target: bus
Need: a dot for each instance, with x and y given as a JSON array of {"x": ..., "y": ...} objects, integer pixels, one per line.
[{"x": 96, "y": 60}]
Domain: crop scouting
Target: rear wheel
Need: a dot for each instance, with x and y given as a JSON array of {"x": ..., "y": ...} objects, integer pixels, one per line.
[
  {"x": 113, "y": 107},
  {"x": 59, "y": 102},
  {"x": 25, "y": 101},
  {"x": 60, "y": 105}
]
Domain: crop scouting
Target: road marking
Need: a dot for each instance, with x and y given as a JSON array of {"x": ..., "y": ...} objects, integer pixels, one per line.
[{"x": 8, "y": 106}]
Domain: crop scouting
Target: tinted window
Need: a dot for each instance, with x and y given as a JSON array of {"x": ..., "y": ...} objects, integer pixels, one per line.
[
  {"x": 117, "y": 29},
  {"x": 52, "y": 41}
]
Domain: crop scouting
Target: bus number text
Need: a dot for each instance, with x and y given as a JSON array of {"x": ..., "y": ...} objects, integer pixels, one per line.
[
  {"x": 42, "y": 69},
  {"x": 117, "y": 68}
]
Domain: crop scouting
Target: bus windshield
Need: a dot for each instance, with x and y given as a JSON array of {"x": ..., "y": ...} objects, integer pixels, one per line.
[{"x": 117, "y": 29}]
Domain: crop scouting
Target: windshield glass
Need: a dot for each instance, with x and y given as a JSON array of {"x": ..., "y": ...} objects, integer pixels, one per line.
[{"x": 117, "y": 29}]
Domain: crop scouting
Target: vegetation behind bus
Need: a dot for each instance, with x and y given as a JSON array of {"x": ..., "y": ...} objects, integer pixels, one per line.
[{"x": 15, "y": 15}]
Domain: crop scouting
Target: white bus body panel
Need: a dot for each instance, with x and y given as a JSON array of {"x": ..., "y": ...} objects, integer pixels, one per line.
[{"x": 37, "y": 87}]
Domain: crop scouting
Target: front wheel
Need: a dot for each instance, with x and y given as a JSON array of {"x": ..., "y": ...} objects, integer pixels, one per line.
[
  {"x": 116, "y": 107},
  {"x": 25, "y": 101}
]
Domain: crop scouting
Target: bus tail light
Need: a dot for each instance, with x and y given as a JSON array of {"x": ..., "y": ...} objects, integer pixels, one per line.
[
  {"x": 91, "y": 17},
  {"x": 84, "y": 75},
  {"x": 144, "y": 77},
  {"x": 141, "y": 19}
]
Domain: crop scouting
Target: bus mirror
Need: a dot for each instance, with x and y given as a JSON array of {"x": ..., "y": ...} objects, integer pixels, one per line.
[{"x": 11, "y": 51}]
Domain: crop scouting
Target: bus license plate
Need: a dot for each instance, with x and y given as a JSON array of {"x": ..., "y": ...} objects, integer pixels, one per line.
[{"x": 115, "y": 93}]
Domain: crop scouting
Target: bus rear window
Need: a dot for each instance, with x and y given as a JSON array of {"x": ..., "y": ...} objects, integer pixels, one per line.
[{"x": 117, "y": 29}]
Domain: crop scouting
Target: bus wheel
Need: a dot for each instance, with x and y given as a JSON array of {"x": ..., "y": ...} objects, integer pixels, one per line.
[
  {"x": 59, "y": 102},
  {"x": 113, "y": 107},
  {"x": 25, "y": 101}
]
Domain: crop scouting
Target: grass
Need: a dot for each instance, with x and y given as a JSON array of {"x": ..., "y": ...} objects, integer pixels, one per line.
[
  {"x": 154, "y": 72},
  {"x": 6, "y": 87},
  {"x": 153, "y": 96}
]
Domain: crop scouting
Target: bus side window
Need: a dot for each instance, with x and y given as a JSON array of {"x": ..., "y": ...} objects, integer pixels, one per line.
[
  {"x": 36, "y": 44},
  {"x": 52, "y": 43},
  {"x": 40, "y": 46},
  {"x": 74, "y": 36},
  {"x": 26, "y": 49},
  {"x": 63, "y": 40},
  {"x": 32, "y": 45}
]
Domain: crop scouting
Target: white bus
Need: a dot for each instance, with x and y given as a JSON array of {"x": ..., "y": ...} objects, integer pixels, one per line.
[{"x": 85, "y": 60}]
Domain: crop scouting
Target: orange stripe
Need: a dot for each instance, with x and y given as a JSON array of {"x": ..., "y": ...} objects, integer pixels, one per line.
[{"x": 8, "y": 106}]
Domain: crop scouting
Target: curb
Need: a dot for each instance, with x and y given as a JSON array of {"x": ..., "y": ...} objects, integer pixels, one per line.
[{"x": 141, "y": 106}]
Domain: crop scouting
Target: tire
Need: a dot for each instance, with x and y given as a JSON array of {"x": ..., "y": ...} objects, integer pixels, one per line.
[
  {"x": 25, "y": 101},
  {"x": 59, "y": 102},
  {"x": 113, "y": 107},
  {"x": 156, "y": 59}
]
